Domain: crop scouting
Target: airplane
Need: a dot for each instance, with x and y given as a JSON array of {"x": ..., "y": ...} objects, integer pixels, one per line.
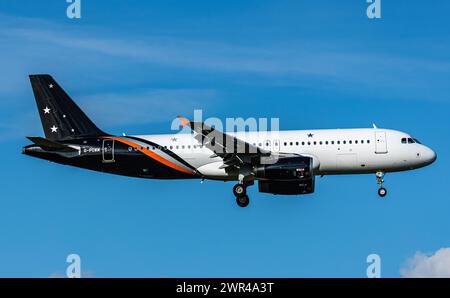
[{"x": 282, "y": 162}]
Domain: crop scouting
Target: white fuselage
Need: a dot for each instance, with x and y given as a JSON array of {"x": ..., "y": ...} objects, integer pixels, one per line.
[{"x": 334, "y": 151}]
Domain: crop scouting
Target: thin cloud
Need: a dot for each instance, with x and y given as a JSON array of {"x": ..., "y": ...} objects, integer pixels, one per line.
[
  {"x": 436, "y": 264},
  {"x": 149, "y": 106},
  {"x": 336, "y": 63},
  {"x": 334, "y": 66}
]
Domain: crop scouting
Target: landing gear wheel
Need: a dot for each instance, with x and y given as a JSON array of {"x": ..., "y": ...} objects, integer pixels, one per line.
[
  {"x": 382, "y": 192},
  {"x": 239, "y": 190},
  {"x": 243, "y": 201}
]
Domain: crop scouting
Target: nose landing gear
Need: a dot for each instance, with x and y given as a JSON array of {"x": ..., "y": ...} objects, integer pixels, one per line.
[{"x": 382, "y": 192}]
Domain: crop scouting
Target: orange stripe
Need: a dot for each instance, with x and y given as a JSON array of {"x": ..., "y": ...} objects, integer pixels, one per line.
[{"x": 152, "y": 155}]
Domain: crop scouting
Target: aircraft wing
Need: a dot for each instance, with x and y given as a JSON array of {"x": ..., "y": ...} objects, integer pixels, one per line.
[{"x": 231, "y": 149}]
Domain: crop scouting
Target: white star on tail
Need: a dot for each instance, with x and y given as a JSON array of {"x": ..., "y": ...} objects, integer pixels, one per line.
[
  {"x": 46, "y": 110},
  {"x": 54, "y": 128},
  {"x": 50, "y": 86}
]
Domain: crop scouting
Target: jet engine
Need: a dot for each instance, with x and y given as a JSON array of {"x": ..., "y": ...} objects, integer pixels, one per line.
[{"x": 287, "y": 176}]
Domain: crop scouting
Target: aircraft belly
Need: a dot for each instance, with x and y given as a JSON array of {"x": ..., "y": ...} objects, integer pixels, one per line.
[{"x": 213, "y": 170}]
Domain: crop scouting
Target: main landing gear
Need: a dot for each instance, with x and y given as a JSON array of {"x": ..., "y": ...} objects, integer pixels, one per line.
[
  {"x": 243, "y": 201},
  {"x": 382, "y": 192},
  {"x": 240, "y": 192}
]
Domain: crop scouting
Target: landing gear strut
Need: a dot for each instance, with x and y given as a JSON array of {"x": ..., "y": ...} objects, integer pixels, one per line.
[
  {"x": 382, "y": 192},
  {"x": 240, "y": 192}
]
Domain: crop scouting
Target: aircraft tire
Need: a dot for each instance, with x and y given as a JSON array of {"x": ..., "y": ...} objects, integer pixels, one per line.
[
  {"x": 243, "y": 201},
  {"x": 239, "y": 190},
  {"x": 382, "y": 192}
]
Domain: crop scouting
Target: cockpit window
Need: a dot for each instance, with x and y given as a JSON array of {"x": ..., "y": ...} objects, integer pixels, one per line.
[
  {"x": 409, "y": 141},
  {"x": 417, "y": 141}
]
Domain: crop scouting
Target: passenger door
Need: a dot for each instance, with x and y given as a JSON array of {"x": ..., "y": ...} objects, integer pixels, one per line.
[{"x": 380, "y": 142}]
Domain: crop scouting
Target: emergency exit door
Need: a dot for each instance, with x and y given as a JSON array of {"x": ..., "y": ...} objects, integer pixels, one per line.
[{"x": 108, "y": 150}]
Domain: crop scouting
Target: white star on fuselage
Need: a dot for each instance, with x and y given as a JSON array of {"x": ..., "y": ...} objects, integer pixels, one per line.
[
  {"x": 46, "y": 110},
  {"x": 54, "y": 128},
  {"x": 50, "y": 86}
]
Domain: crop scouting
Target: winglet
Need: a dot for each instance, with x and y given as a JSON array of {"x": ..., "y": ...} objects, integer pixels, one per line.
[{"x": 184, "y": 121}]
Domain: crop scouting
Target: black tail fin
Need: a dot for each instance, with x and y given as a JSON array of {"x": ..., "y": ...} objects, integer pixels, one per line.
[{"x": 61, "y": 118}]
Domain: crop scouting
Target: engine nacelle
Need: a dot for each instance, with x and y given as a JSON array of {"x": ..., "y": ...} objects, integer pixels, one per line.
[
  {"x": 292, "y": 168},
  {"x": 288, "y": 176},
  {"x": 294, "y": 187}
]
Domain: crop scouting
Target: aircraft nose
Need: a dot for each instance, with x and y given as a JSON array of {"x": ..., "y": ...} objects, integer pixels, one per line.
[{"x": 429, "y": 156}]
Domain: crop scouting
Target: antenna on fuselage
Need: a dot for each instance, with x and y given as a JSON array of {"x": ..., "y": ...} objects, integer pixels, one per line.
[{"x": 374, "y": 126}]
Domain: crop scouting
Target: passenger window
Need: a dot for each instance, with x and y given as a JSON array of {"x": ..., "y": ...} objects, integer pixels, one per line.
[
  {"x": 315, "y": 143},
  {"x": 349, "y": 142},
  {"x": 338, "y": 142},
  {"x": 309, "y": 143},
  {"x": 326, "y": 142},
  {"x": 344, "y": 142},
  {"x": 368, "y": 141},
  {"x": 362, "y": 141},
  {"x": 332, "y": 142},
  {"x": 303, "y": 143},
  {"x": 320, "y": 143},
  {"x": 356, "y": 142}
]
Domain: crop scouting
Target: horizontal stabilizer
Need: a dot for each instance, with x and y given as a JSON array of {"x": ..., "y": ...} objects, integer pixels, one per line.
[{"x": 49, "y": 145}]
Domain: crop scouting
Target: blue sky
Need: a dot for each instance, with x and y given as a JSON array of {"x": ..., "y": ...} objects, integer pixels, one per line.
[{"x": 134, "y": 66}]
